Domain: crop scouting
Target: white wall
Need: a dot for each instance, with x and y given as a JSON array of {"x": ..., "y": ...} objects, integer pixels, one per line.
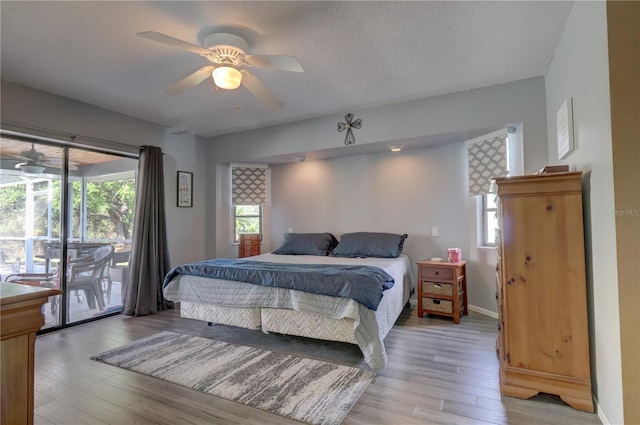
[
  {"x": 579, "y": 69},
  {"x": 50, "y": 115}
]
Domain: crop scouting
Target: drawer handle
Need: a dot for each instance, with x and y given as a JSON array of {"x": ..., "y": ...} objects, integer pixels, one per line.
[
  {"x": 437, "y": 285},
  {"x": 437, "y": 272},
  {"x": 436, "y": 301}
]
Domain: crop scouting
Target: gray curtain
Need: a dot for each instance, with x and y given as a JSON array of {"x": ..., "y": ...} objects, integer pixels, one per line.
[{"x": 150, "y": 253}]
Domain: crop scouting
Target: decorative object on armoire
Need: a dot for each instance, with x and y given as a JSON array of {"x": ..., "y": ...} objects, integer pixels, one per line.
[
  {"x": 543, "y": 336},
  {"x": 553, "y": 169},
  {"x": 349, "y": 139},
  {"x": 442, "y": 289}
]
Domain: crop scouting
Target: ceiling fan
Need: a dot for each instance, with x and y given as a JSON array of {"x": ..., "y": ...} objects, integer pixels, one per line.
[
  {"x": 36, "y": 162},
  {"x": 228, "y": 57}
]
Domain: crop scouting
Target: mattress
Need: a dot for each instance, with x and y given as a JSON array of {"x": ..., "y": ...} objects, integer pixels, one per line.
[{"x": 299, "y": 313}]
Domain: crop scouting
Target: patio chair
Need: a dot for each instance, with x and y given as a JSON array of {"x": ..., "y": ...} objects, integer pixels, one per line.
[
  {"x": 87, "y": 274},
  {"x": 118, "y": 272}
]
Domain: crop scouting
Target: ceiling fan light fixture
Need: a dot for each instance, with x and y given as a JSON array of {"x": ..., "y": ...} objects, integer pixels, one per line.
[
  {"x": 32, "y": 169},
  {"x": 227, "y": 77}
]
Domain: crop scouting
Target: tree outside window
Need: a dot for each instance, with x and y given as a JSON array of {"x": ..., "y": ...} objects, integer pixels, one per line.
[
  {"x": 247, "y": 219},
  {"x": 489, "y": 219}
]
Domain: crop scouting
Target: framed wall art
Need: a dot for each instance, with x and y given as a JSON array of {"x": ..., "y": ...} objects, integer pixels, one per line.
[
  {"x": 565, "y": 129},
  {"x": 185, "y": 189}
]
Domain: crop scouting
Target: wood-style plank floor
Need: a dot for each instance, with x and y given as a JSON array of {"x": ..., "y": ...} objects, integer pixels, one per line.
[{"x": 438, "y": 373}]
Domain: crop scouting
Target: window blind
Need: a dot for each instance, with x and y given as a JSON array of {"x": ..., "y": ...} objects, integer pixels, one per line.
[
  {"x": 487, "y": 159},
  {"x": 248, "y": 185}
]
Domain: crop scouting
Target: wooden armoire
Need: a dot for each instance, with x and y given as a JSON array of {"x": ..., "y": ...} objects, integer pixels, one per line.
[{"x": 543, "y": 338}]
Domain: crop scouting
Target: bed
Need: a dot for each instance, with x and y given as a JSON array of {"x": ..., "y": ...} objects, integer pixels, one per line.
[{"x": 213, "y": 298}]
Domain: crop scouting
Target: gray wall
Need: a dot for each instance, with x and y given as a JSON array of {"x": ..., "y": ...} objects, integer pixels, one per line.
[
  {"x": 580, "y": 69},
  {"x": 345, "y": 186},
  {"x": 391, "y": 192},
  {"x": 36, "y": 112}
]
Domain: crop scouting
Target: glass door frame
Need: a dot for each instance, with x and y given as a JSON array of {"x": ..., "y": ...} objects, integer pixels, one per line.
[{"x": 66, "y": 218}]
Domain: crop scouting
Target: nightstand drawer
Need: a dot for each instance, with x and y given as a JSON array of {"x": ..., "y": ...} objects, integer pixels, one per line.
[
  {"x": 436, "y": 288},
  {"x": 436, "y": 272},
  {"x": 434, "y": 304}
]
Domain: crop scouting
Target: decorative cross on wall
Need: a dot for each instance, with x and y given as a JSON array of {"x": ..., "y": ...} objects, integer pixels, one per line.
[{"x": 348, "y": 125}]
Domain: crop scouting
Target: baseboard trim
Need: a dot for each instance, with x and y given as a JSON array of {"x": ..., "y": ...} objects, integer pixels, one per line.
[
  {"x": 483, "y": 311},
  {"x": 601, "y": 415}
]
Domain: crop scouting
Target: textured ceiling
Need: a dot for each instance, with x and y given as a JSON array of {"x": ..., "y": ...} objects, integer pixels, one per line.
[{"x": 355, "y": 54}]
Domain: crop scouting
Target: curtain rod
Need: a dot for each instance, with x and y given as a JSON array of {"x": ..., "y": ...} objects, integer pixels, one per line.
[{"x": 45, "y": 134}]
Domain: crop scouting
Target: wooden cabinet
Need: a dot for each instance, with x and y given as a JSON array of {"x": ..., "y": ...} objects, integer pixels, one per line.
[
  {"x": 442, "y": 289},
  {"x": 249, "y": 244},
  {"x": 20, "y": 319},
  {"x": 543, "y": 340}
]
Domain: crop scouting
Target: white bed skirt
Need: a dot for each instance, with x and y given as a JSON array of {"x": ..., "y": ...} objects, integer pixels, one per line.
[
  {"x": 248, "y": 317},
  {"x": 291, "y": 312}
]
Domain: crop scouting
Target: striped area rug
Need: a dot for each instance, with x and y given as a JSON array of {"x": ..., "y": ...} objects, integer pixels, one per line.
[{"x": 307, "y": 390}]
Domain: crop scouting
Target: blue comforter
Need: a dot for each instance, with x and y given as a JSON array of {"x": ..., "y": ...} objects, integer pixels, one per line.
[{"x": 364, "y": 284}]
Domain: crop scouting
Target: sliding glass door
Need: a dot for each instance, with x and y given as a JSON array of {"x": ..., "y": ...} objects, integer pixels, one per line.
[{"x": 67, "y": 220}]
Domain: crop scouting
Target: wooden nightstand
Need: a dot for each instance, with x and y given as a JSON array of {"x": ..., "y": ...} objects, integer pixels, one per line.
[
  {"x": 442, "y": 289},
  {"x": 249, "y": 244}
]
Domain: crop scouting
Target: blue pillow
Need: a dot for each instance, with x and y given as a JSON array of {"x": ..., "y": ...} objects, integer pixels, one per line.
[
  {"x": 368, "y": 244},
  {"x": 307, "y": 244}
]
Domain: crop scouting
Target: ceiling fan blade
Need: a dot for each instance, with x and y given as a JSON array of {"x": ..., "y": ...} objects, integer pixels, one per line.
[
  {"x": 56, "y": 164},
  {"x": 173, "y": 42},
  {"x": 190, "y": 80},
  {"x": 259, "y": 90},
  {"x": 22, "y": 158},
  {"x": 284, "y": 63}
]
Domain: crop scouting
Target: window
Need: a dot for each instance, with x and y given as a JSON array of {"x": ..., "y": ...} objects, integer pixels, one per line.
[
  {"x": 488, "y": 157},
  {"x": 247, "y": 219},
  {"x": 489, "y": 219},
  {"x": 249, "y": 194}
]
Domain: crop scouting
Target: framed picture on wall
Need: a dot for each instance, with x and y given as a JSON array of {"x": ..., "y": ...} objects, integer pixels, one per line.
[
  {"x": 185, "y": 189},
  {"x": 564, "y": 119}
]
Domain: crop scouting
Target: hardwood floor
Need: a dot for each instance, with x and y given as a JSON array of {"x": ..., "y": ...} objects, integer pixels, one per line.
[{"x": 438, "y": 373}]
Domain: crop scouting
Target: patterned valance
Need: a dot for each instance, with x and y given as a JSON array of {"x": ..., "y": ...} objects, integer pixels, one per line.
[
  {"x": 248, "y": 185},
  {"x": 487, "y": 159}
]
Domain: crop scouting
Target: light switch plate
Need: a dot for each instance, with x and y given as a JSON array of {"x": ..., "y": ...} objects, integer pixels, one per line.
[{"x": 434, "y": 231}]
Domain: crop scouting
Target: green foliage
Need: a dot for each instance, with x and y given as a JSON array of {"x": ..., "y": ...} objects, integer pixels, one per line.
[
  {"x": 13, "y": 204},
  {"x": 247, "y": 219},
  {"x": 110, "y": 212},
  {"x": 110, "y": 209}
]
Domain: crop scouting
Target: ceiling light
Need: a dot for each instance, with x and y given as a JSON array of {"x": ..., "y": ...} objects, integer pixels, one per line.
[
  {"x": 227, "y": 77},
  {"x": 32, "y": 169},
  {"x": 395, "y": 148}
]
